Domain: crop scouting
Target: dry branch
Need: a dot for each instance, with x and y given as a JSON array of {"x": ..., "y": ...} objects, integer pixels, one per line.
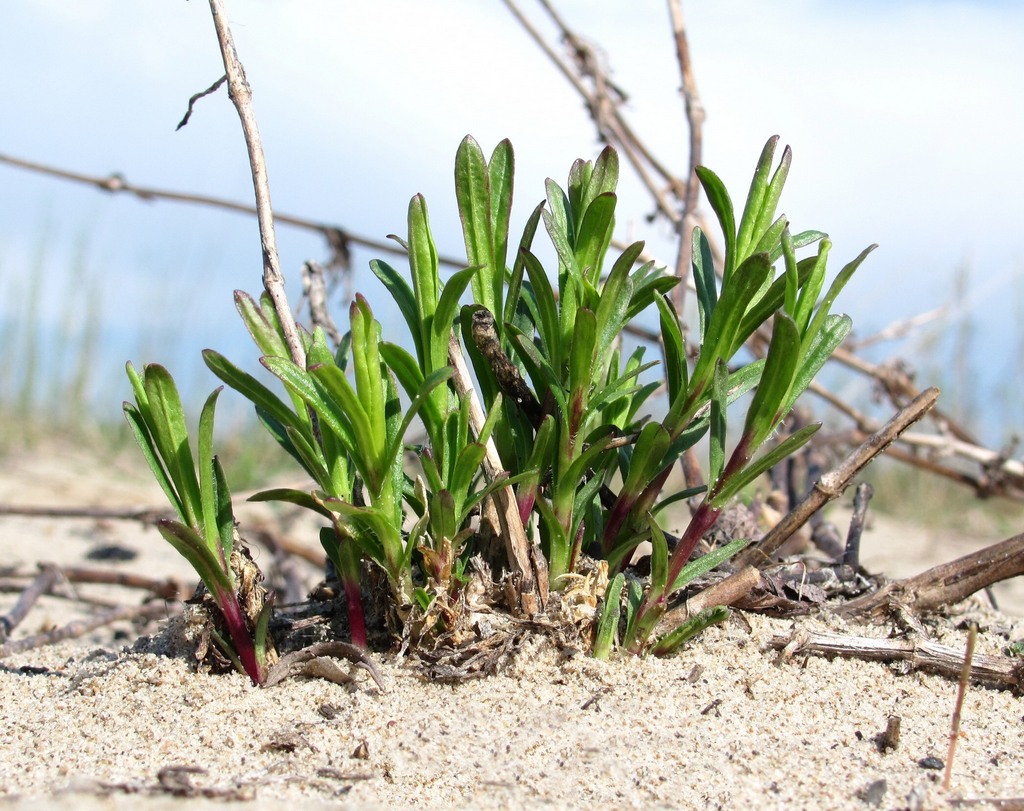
[
  {"x": 338, "y": 238},
  {"x": 241, "y": 96},
  {"x": 947, "y": 583},
  {"x": 527, "y": 562},
  {"x": 37, "y": 588},
  {"x": 995, "y": 671},
  {"x": 73, "y": 630},
  {"x": 832, "y": 484}
]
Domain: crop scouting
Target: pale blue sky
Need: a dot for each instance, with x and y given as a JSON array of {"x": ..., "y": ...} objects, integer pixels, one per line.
[{"x": 905, "y": 119}]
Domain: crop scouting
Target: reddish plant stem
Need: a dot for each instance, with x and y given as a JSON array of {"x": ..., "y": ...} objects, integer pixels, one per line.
[{"x": 241, "y": 635}]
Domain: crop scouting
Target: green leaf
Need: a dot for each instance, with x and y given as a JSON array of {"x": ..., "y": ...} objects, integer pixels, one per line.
[
  {"x": 608, "y": 622},
  {"x": 647, "y": 458},
  {"x": 595, "y": 234},
  {"x": 581, "y": 358},
  {"x": 784, "y": 449},
  {"x": 834, "y": 289},
  {"x": 706, "y": 562},
  {"x": 723, "y": 337},
  {"x": 137, "y": 423},
  {"x": 748, "y": 231},
  {"x": 704, "y": 278},
  {"x": 254, "y": 391},
  {"x": 431, "y": 382},
  {"x": 473, "y": 194},
  {"x": 558, "y": 221},
  {"x": 717, "y": 195},
  {"x": 208, "y": 495},
  {"x": 404, "y": 297},
  {"x": 265, "y": 332},
  {"x": 188, "y": 543},
  {"x": 780, "y": 367},
  {"x": 659, "y": 557},
  {"x": 615, "y": 298},
  {"x": 171, "y": 436},
  {"x": 824, "y": 343},
  {"x": 512, "y": 294},
  {"x": 501, "y": 176},
  {"x": 718, "y": 422},
  {"x": 689, "y": 629},
  {"x": 225, "y": 516},
  {"x": 674, "y": 349},
  {"x": 445, "y": 315},
  {"x": 547, "y": 309}
]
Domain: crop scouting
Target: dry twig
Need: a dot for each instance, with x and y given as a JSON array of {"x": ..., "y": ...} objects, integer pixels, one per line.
[
  {"x": 527, "y": 562},
  {"x": 831, "y": 485},
  {"x": 995, "y": 671},
  {"x": 947, "y": 583},
  {"x": 73, "y": 630}
]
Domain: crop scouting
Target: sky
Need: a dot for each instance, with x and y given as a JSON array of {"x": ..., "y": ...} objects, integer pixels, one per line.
[{"x": 905, "y": 120}]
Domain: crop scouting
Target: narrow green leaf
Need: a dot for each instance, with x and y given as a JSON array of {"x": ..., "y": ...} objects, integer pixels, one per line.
[
  {"x": 820, "y": 349},
  {"x": 548, "y": 325},
  {"x": 152, "y": 456},
  {"x": 755, "y": 200},
  {"x": 595, "y": 234},
  {"x": 704, "y": 279},
  {"x": 784, "y": 449},
  {"x": 608, "y": 622},
  {"x": 473, "y": 194},
  {"x": 659, "y": 557},
  {"x": 208, "y": 495},
  {"x": 688, "y": 629},
  {"x": 404, "y": 297},
  {"x": 717, "y": 195},
  {"x": 780, "y": 366},
  {"x": 501, "y": 176},
  {"x": 264, "y": 331},
  {"x": 558, "y": 220},
  {"x": 674, "y": 349},
  {"x": 187, "y": 542},
  {"x": 254, "y": 391},
  {"x": 224, "y": 513},
  {"x": 171, "y": 435},
  {"x": 706, "y": 562},
  {"x": 718, "y": 422}
]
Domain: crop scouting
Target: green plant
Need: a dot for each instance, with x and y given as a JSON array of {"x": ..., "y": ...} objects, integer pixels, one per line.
[
  {"x": 564, "y": 409},
  {"x": 205, "y": 535}
]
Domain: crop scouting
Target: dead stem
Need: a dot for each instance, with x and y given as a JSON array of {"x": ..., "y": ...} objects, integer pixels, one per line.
[
  {"x": 947, "y": 583},
  {"x": 919, "y": 654},
  {"x": 241, "y": 96},
  {"x": 338, "y": 238},
  {"x": 961, "y": 693},
  {"x": 832, "y": 484},
  {"x": 73, "y": 630},
  {"x": 527, "y": 562}
]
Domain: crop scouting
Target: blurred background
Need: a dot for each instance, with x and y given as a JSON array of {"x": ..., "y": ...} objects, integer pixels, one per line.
[{"x": 904, "y": 119}]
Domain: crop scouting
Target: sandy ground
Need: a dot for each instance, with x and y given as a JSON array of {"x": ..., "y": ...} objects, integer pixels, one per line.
[{"x": 107, "y": 721}]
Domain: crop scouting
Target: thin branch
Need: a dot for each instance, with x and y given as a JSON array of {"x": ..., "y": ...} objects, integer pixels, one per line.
[
  {"x": 831, "y": 485},
  {"x": 73, "y": 630},
  {"x": 28, "y": 598},
  {"x": 947, "y": 583},
  {"x": 241, "y": 96},
  {"x": 695, "y": 119},
  {"x": 195, "y": 97},
  {"x": 995, "y": 671},
  {"x": 961, "y": 693},
  {"x": 338, "y": 238},
  {"x": 528, "y": 564}
]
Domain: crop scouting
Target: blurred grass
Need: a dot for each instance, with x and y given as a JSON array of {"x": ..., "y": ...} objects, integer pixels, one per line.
[
  {"x": 62, "y": 382},
  {"x": 58, "y": 387}
]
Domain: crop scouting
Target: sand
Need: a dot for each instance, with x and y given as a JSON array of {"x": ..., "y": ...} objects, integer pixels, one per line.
[{"x": 113, "y": 721}]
